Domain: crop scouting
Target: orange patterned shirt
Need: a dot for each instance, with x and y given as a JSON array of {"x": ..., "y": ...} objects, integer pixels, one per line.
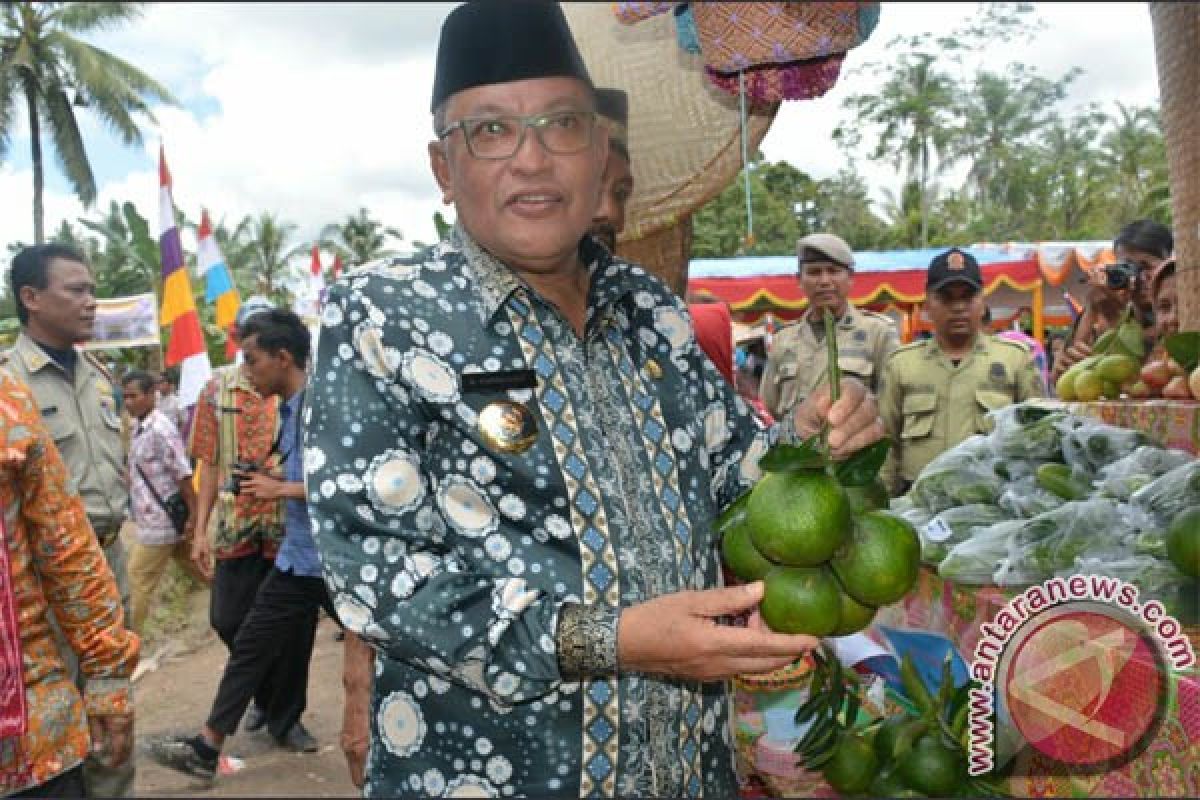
[
  {"x": 56, "y": 565},
  {"x": 233, "y": 422}
]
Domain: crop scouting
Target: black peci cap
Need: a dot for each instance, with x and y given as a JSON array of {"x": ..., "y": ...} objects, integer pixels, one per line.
[{"x": 497, "y": 41}]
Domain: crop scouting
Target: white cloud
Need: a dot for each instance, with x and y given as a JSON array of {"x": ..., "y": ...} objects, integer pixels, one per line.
[{"x": 322, "y": 108}]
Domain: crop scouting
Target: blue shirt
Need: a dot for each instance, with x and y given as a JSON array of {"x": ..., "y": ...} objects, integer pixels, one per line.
[
  {"x": 453, "y": 555},
  {"x": 298, "y": 553}
]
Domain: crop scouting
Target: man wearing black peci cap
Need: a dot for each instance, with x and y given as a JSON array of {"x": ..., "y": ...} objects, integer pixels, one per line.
[
  {"x": 937, "y": 392},
  {"x": 609, "y": 220},
  {"x": 514, "y": 456}
]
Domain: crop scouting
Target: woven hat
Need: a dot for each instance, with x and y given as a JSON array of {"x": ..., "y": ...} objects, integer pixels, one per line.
[{"x": 684, "y": 135}]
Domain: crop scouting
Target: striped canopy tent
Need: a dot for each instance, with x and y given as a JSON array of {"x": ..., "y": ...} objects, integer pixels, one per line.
[{"x": 1042, "y": 278}]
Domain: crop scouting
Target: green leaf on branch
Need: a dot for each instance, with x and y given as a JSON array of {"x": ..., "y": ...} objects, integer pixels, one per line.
[
  {"x": 861, "y": 468},
  {"x": 794, "y": 457},
  {"x": 1185, "y": 349}
]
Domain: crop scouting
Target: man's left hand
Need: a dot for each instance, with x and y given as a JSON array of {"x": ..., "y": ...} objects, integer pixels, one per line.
[
  {"x": 261, "y": 487},
  {"x": 112, "y": 737},
  {"x": 854, "y": 420}
]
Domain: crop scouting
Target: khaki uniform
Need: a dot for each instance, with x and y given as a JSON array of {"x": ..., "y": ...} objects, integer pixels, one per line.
[
  {"x": 83, "y": 420},
  {"x": 798, "y": 359},
  {"x": 929, "y": 405}
]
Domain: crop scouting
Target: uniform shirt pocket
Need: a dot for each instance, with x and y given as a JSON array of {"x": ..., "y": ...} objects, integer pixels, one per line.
[
  {"x": 988, "y": 400},
  {"x": 859, "y": 367},
  {"x": 919, "y": 409}
]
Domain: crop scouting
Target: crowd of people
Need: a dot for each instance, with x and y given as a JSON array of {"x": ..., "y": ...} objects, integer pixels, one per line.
[{"x": 497, "y": 469}]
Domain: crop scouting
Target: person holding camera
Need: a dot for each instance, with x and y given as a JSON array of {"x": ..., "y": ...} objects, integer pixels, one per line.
[
  {"x": 282, "y": 623},
  {"x": 1140, "y": 248},
  {"x": 158, "y": 471}
]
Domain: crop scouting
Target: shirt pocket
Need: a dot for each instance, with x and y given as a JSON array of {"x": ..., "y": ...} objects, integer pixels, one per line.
[
  {"x": 859, "y": 367},
  {"x": 987, "y": 400},
  {"x": 919, "y": 410}
]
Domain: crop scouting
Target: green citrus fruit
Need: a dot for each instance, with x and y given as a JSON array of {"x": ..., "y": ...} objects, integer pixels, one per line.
[
  {"x": 1088, "y": 386},
  {"x": 885, "y": 737},
  {"x": 740, "y": 555},
  {"x": 1183, "y": 542},
  {"x": 798, "y": 518},
  {"x": 872, "y": 497},
  {"x": 932, "y": 768},
  {"x": 1065, "y": 388},
  {"x": 1117, "y": 368},
  {"x": 801, "y": 600},
  {"x": 854, "y": 616},
  {"x": 853, "y": 765},
  {"x": 879, "y": 562},
  {"x": 888, "y": 784}
]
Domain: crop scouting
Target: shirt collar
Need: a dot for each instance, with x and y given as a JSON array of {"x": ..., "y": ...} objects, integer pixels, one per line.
[{"x": 496, "y": 281}]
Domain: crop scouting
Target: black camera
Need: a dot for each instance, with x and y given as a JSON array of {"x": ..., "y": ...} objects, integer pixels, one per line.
[
  {"x": 235, "y": 479},
  {"x": 1121, "y": 275}
]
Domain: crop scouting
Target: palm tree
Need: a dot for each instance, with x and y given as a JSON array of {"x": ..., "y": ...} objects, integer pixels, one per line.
[
  {"x": 267, "y": 238},
  {"x": 915, "y": 108},
  {"x": 1131, "y": 151},
  {"x": 43, "y": 60},
  {"x": 359, "y": 238}
]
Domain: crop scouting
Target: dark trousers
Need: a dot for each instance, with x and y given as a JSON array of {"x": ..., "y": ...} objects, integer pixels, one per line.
[
  {"x": 280, "y": 627},
  {"x": 68, "y": 784},
  {"x": 234, "y": 585}
]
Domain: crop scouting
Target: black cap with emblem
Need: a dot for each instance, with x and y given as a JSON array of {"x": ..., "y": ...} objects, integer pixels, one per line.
[
  {"x": 953, "y": 266},
  {"x": 498, "y": 41}
]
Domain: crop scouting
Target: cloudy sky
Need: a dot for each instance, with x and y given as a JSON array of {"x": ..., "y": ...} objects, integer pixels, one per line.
[{"x": 312, "y": 110}]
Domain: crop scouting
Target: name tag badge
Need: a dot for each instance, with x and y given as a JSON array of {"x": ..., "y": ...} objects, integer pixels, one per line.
[
  {"x": 498, "y": 381},
  {"x": 507, "y": 427}
]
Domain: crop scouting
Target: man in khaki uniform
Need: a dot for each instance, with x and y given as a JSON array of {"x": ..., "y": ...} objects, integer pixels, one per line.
[
  {"x": 798, "y": 359},
  {"x": 937, "y": 392},
  {"x": 55, "y": 297}
]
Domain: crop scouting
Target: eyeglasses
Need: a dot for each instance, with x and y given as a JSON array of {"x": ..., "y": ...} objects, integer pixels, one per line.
[{"x": 560, "y": 132}]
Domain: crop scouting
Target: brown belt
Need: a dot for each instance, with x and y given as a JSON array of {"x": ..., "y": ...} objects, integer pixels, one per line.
[{"x": 107, "y": 531}]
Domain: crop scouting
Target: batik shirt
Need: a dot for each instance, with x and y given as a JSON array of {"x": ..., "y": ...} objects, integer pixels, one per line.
[
  {"x": 454, "y": 558},
  {"x": 157, "y": 459},
  {"x": 57, "y": 566}
]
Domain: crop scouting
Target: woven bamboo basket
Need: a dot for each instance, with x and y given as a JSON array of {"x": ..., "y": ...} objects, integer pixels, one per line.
[
  {"x": 1177, "y": 51},
  {"x": 685, "y": 138}
]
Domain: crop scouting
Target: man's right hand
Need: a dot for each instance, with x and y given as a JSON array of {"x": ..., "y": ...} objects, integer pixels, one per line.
[
  {"x": 678, "y": 635},
  {"x": 202, "y": 553}
]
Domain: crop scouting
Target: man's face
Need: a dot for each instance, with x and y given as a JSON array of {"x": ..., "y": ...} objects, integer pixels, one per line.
[
  {"x": 956, "y": 311},
  {"x": 1146, "y": 263},
  {"x": 826, "y": 284},
  {"x": 266, "y": 370},
  {"x": 65, "y": 311},
  {"x": 1166, "y": 307},
  {"x": 530, "y": 210},
  {"x": 618, "y": 186},
  {"x": 138, "y": 402}
]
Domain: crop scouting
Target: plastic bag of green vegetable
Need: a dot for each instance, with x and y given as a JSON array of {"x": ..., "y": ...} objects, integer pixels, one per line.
[
  {"x": 1029, "y": 432},
  {"x": 1052, "y": 541},
  {"x": 1122, "y": 478},
  {"x": 1025, "y": 499},
  {"x": 960, "y": 476},
  {"x": 1091, "y": 445},
  {"x": 1171, "y": 493},
  {"x": 953, "y": 526},
  {"x": 974, "y": 560}
]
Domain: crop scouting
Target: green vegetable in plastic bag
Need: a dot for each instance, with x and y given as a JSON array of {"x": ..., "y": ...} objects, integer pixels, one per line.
[
  {"x": 1027, "y": 432},
  {"x": 1093, "y": 445},
  {"x": 953, "y": 526},
  {"x": 1052, "y": 541},
  {"x": 1023, "y": 498},
  {"x": 1140, "y": 468},
  {"x": 960, "y": 476},
  {"x": 1170, "y": 494},
  {"x": 974, "y": 560}
]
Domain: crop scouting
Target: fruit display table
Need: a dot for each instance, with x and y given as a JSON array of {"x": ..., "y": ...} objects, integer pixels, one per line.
[
  {"x": 1170, "y": 765},
  {"x": 1173, "y": 423}
]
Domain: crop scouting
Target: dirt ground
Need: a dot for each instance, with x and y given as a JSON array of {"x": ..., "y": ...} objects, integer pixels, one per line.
[{"x": 175, "y": 686}]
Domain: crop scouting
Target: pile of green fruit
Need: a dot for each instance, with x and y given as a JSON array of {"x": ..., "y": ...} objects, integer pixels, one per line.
[
  {"x": 818, "y": 536},
  {"x": 917, "y": 754},
  {"x": 1112, "y": 368}
]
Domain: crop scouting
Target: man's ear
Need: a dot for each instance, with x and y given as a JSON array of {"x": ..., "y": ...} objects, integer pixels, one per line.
[
  {"x": 29, "y": 298},
  {"x": 439, "y": 163}
]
